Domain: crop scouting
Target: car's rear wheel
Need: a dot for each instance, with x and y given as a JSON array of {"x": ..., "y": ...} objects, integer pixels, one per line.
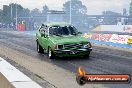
[
  {"x": 39, "y": 48},
  {"x": 51, "y": 54}
]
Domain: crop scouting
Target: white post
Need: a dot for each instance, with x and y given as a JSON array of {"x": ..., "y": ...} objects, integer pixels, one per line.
[{"x": 70, "y": 12}]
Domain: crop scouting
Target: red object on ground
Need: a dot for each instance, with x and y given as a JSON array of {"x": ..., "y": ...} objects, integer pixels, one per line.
[{"x": 21, "y": 27}]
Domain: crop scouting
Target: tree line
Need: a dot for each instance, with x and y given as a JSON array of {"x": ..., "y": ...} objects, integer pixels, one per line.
[{"x": 79, "y": 13}]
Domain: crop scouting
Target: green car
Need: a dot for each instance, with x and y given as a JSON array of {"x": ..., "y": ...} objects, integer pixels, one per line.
[{"x": 61, "y": 39}]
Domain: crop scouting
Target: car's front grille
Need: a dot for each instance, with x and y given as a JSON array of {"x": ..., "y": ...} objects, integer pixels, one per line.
[{"x": 72, "y": 46}]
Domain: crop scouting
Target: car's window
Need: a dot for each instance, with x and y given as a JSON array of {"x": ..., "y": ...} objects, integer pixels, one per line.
[
  {"x": 66, "y": 30},
  {"x": 73, "y": 30}
]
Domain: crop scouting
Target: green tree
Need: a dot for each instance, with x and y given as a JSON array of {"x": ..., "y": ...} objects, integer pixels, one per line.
[
  {"x": 1, "y": 16},
  {"x": 124, "y": 11},
  {"x": 5, "y": 14},
  {"x": 15, "y": 7},
  {"x": 9, "y": 12},
  {"x": 76, "y": 7},
  {"x": 21, "y": 12},
  {"x": 45, "y": 10},
  {"x": 78, "y": 13},
  {"x": 130, "y": 9},
  {"x": 26, "y": 12},
  {"x": 35, "y": 12}
]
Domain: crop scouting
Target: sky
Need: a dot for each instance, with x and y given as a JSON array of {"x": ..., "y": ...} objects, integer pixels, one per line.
[{"x": 93, "y": 6}]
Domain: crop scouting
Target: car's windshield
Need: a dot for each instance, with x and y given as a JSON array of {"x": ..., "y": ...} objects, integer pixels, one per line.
[{"x": 59, "y": 31}]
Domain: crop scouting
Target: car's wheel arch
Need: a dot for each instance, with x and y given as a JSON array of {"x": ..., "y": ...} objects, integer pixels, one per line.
[
  {"x": 52, "y": 53},
  {"x": 37, "y": 40},
  {"x": 49, "y": 48}
]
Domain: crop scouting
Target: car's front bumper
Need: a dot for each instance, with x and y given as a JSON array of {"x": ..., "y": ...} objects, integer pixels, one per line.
[{"x": 76, "y": 52}]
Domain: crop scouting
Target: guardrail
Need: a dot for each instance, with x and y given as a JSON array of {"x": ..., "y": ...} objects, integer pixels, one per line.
[{"x": 7, "y": 29}]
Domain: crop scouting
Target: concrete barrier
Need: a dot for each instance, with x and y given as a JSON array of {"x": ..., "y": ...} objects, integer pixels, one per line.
[
  {"x": 7, "y": 29},
  {"x": 4, "y": 83},
  {"x": 10, "y": 77}
]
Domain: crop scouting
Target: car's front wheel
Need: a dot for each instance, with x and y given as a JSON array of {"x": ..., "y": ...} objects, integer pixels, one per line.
[
  {"x": 39, "y": 48},
  {"x": 51, "y": 54},
  {"x": 87, "y": 55}
]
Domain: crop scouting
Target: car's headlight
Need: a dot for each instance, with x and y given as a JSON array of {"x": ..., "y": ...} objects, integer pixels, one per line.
[
  {"x": 88, "y": 45},
  {"x": 85, "y": 46}
]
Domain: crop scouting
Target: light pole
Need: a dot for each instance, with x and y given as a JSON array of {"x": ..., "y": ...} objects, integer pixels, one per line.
[
  {"x": 70, "y": 12},
  {"x": 11, "y": 11},
  {"x": 16, "y": 15}
]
